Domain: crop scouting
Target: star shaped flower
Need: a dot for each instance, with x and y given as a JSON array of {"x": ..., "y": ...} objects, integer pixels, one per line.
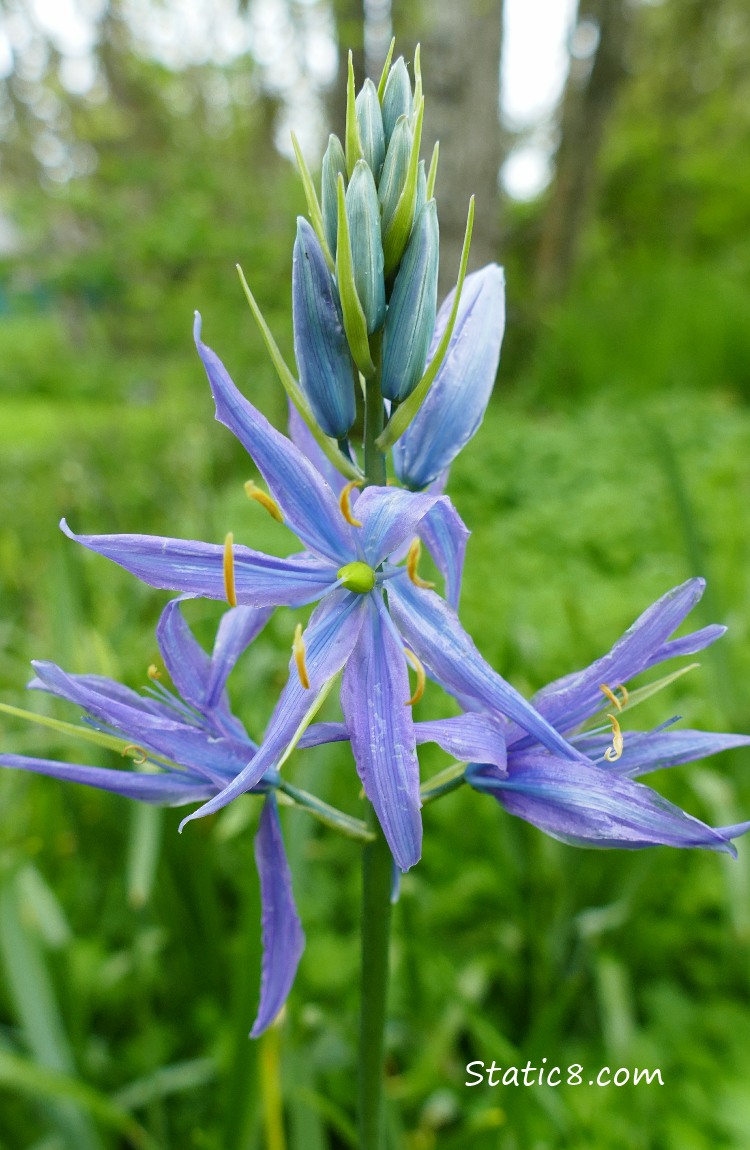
[{"x": 372, "y": 616}]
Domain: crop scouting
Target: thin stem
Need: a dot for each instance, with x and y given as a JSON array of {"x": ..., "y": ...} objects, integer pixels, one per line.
[
  {"x": 374, "y": 457},
  {"x": 377, "y": 875},
  {"x": 270, "y": 1075}
]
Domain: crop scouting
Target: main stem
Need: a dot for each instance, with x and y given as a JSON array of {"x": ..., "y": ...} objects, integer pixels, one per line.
[{"x": 377, "y": 869}]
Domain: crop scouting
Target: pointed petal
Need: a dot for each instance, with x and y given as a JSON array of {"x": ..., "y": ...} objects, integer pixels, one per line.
[
  {"x": 374, "y": 693},
  {"x": 688, "y": 644},
  {"x": 186, "y": 661},
  {"x": 309, "y": 506},
  {"x": 588, "y": 806},
  {"x": 283, "y": 937},
  {"x": 645, "y": 751},
  {"x": 391, "y": 517},
  {"x": 198, "y": 568},
  {"x": 436, "y": 636},
  {"x": 330, "y": 636},
  {"x": 319, "y": 733},
  {"x": 474, "y": 738},
  {"x": 457, "y": 400},
  {"x": 237, "y": 630},
  {"x": 569, "y": 701},
  {"x": 445, "y": 536},
  {"x": 171, "y": 789},
  {"x": 303, "y": 440}
]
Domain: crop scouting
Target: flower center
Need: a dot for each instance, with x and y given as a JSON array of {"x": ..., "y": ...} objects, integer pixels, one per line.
[{"x": 357, "y": 577}]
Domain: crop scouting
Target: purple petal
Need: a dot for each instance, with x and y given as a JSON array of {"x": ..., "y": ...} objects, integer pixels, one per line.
[
  {"x": 433, "y": 631},
  {"x": 374, "y": 694},
  {"x": 645, "y": 751},
  {"x": 390, "y": 517},
  {"x": 308, "y": 503},
  {"x": 330, "y": 636},
  {"x": 186, "y": 661},
  {"x": 445, "y": 535},
  {"x": 319, "y": 733},
  {"x": 588, "y": 806},
  {"x": 688, "y": 644},
  {"x": 198, "y": 568},
  {"x": 458, "y": 397},
  {"x": 474, "y": 738},
  {"x": 283, "y": 938},
  {"x": 302, "y": 439},
  {"x": 171, "y": 789},
  {"x": 569, "y": 701},
  {"x": 237, "y": 629}
]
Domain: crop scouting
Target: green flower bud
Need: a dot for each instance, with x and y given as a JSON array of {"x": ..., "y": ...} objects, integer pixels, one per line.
[
  {"x": 410, "y": 321},
  {"x": 395, "y": 169},
  {"x": 334, "y": 163},
  {"x": 363, "y": 214},
  {"x": 396, "y": 97},
  {"x": 370, "y": 126}
]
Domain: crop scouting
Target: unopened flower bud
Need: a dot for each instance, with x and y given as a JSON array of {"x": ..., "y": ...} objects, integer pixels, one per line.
[
  {"x": 370, "y": 126},
  {"x": 410, "y": 320},
  {"x": 396, "y": 97},
  {"x": 421, "y": 199},
  {"x": 334, "y": 163},
  {"x": 323, "y": 359},
  {"x": 395, "y": 169},
  {"x": 363, "y": 214}
]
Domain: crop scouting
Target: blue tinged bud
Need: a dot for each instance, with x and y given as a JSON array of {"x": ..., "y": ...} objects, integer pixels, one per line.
[
  {"x": 370, "y": 125},
  {"x": 421, "y": 199},
  {"x": 396, "y": 97},
  {"x": 325, "y": 366},
  {"x": 410, "y": 320},
  {"x": 334, "y": 163},
  {"x": 456, "y": 402},
  {"x": 363, "y": 214},
  {"x": 395, "y": 169}
]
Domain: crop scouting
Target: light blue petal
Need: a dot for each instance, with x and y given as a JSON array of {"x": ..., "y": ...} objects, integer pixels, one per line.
[
  {"x": 472, "y": 738},
  {"x": 303, "y": 440},
  {"x": 445, "y": 536},
  {"x": 390, "y": 517},
  {"x": 374, "y": 695},
  {"x": 307, "y": 502},
  {"x": 283, "y": 938},
  {"x": 238, "y": 628},
  {"x": 645, "y": 751},
  {"x": 171, "y": 789}
]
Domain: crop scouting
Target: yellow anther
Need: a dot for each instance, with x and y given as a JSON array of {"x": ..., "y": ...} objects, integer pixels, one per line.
[
  {"x": 612, "y": 754},
  {"x": 625, "y": 695},
  {"x": 254, "y": 492},
  {"x": 229, "y": 588},
  {"x": 153, "y": 671},
  {"x": 298, "y": 650},
  {"x": 412, "y": 559},
  {"x": 345, "y": 505},
  {"x": 605, "y": 690},
  {"x": 140, "y": 755},
  {"x": 421, "y": 677}
]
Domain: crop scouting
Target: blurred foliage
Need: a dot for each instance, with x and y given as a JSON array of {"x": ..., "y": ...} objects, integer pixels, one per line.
[{"x": 613, "y": 464}]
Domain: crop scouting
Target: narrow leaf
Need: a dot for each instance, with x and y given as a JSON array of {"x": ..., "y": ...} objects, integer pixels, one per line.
[
  {"x": 313, "y": 206},
  {"x": 351, "y": 141},
  {"x": 111, "y": 742},
  {"x": 355, "y": 324},
  {"x": 386, "y": 70},
  {"x": 398, "y": 424},
  {"x": 432, "y": 174}
]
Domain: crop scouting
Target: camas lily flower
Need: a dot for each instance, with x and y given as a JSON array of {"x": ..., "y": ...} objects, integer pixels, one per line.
[
  {"x": 348, "y": 566},
  {"x": 191, "y": 746},
  {"x": 597, "y": 803}
]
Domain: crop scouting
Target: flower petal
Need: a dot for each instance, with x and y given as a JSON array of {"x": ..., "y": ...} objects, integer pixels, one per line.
[
  {"x": 432, "y": 629},
  {"x": 283, "y": 937},
  {"x": 457, "y": 400},
  {"x": 374, "y": 693},
  {"x": 445, "y": 536},
  {"x": 170, "y": 789},
  {"x": 330, "y": 636},
  {"x": 645, "y": 751},
  {"x": 588, "y": 806},
  {"x": 391, "y": 516},
  {"x": 198, "y": 568},
  {"x": 309, "y": 506},
  {"x": 474, "y": 738},
  {"x": 688, "y": 644},
  {"x": 303, "y": 440},
  {"x": 237, "y": 630}
]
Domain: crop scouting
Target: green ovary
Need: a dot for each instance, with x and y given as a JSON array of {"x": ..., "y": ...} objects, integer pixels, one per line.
[{"x": 357, "y": 577}]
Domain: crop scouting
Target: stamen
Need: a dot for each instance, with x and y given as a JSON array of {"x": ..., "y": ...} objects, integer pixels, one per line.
[
  {"x": 298, "y": 650},
  {"x": 613, "y": 753},
  {"x": 140, "y": 755},
  {"x": 260, "y": 496},
  {"x": 153, "y": 671},
  {"x": 412, "y": 559},
  {"x": 421, "y": 677},
  {"x": 345, "y": 505},
  {"x": 625, "y": 695},
  {"x": 229, "y": 588},
  {"x": 605, "y": 690}
]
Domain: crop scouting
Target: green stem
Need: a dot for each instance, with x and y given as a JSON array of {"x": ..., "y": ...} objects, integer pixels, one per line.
[
  {"x": 377, "y": 877},
  {"x": 270, "y": 1078},
  {"x": 374, "y": 418}
]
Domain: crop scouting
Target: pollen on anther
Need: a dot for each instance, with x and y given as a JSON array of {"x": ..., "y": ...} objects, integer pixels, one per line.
[
  {"x": 298, "y": 650},
  {"x": 153, "y": 671},
  {"x": 412, "y": 561},
  {"x": 140, "y": 755},
  {"x": 254, "y": 492},
  {"x": 229, "y": 587},
  {"x": 345, "y": 505},
  {"x": 421, "y": 677},
  {"x": 613, "y": 753}
]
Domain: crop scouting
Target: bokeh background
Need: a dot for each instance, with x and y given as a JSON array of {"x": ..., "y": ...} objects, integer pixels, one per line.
[{"x": 144, "y": 152}]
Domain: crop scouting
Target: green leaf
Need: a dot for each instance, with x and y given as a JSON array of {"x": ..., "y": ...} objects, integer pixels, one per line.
[
  {"x": 386, "y": 70},
  {"x": 294, "y": 391},
  {"x": 313, "y": 206},
  {"x": 417, "y": 77},
  {"x": 355, "y": 324},
  {"x": 432, "y": 174},
  {"x": 352, "y": 142},
  {"x": 143, "y": 852},
  {"x": 111, "y": 742},
  {"x": 397, "y": 233},
  {"x": 651, "y": 689},
  {"x": 399, "y": 422}
]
